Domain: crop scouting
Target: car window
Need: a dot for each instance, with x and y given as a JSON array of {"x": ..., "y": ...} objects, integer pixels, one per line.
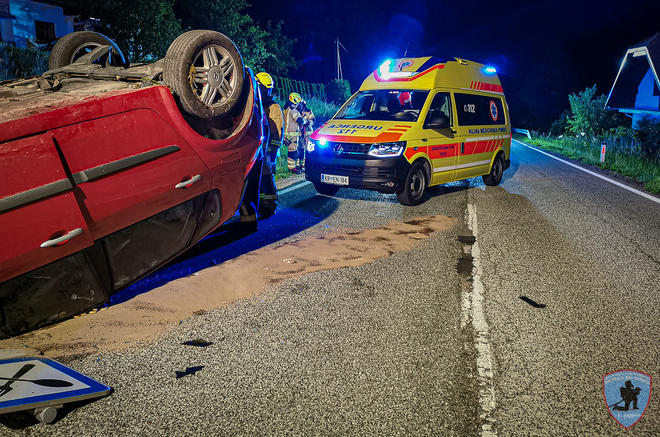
[{"x": 384, "y": 105}]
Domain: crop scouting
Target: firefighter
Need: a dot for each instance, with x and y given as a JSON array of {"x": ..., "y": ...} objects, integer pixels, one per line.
[
  {"x": 272, "y": 142},
  {"x": 307, "y": 130},
  {"x": 293, "y": 122},
  {"x": 628, "y": 395}
]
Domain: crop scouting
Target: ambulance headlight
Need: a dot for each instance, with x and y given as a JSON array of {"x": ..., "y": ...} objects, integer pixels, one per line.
[
  {"x": 311, "y": 145},
  {"x": 387, "y": 150}
]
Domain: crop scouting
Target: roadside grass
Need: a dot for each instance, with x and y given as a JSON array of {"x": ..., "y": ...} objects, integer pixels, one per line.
[{"x": 621, "y": 156}]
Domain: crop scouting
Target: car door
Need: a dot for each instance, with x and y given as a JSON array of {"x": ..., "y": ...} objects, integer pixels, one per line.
[
  {"x": 443, "y": 144},
  {"x": 40, "y": 220},
  {"x": 478, "y": 118},
  {"x": 45, "y": 272},
  {"x": 137, "y": 178}
]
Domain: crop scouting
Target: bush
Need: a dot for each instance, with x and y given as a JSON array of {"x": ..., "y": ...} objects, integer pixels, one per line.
[
  {"x": 19, "y": 63},
  {"x": 338, "y": 91},
  {"x": 560, "y": 127},
  {"x": 588, "y": 114},
  {"x": 648, "y": 136}
]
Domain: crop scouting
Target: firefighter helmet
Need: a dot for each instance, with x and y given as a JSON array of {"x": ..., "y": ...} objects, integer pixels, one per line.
[
  {"x": 265, "y": 79},
  {"x": 295, "y": 98}
]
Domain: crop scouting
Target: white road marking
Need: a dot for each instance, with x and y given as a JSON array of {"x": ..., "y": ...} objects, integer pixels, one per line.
[
  {"x": 611, "y": 181},
  {"x": 476, "y": 311},
  {"x": 293, "y": 187}
]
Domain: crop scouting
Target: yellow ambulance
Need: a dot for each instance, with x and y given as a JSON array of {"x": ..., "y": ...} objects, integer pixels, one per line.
[{"x": 414, "y": 123}]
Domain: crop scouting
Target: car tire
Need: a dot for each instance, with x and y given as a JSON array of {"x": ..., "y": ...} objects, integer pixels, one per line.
[
  {"x": 74, "y": 45},
  {"x": 192, "y": 59},
  {"x": 326, "y": 189},
  {"x": 495, "y": 176},
  {"x": 414, "y": 188}
]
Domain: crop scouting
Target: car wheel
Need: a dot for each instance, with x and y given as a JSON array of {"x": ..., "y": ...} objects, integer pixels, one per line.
[
  {"x": 414, "y": 187},
  {"x": 495, "y": 176},
  {"x": 326, "y": 189},
  {"x": 206, "y": 73},
  {"x": 76, "y": 44}
]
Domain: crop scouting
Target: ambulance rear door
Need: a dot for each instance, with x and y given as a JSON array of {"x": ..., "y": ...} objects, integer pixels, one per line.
[{"x": 443, "y": 144}]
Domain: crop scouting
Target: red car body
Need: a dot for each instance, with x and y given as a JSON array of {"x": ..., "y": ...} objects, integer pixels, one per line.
[{"x": 101, "y": 188}]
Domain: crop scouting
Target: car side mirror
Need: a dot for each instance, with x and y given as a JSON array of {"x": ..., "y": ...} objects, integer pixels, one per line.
[{"x": 437, "y": 120}]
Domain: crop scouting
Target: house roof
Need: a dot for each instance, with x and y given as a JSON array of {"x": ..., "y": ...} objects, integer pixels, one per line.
[{"x": 639, "y": 58}]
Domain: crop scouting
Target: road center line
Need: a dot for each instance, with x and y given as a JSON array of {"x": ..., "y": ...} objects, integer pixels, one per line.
[
  {"x": 484, "y": 357},
  {"x": 611, "y": 181}
]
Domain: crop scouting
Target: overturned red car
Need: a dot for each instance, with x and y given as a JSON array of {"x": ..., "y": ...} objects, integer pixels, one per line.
[{"x": 110, "y": 169}]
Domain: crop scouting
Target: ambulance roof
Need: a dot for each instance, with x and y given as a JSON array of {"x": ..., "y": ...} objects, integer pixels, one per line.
[{"x": 429, "y": 73}]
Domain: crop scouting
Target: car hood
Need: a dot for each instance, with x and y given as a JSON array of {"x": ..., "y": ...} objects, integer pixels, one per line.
[{"x": 352, "y": 131}]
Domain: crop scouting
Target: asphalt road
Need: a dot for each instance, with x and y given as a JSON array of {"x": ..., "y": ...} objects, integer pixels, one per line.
[{"x": 508, "y": 333}]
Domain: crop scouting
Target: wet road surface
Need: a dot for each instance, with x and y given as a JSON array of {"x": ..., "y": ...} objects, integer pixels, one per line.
[{"x": 503, "y": 325}]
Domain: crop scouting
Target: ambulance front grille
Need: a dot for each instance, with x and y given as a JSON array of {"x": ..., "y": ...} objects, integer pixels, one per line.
[
  {"x": 351, "y": 148},
  {"x": 351, "y": 171}
]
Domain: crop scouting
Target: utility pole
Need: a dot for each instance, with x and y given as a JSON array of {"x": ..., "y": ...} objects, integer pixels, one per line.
[{"x": 340, "y": 73}]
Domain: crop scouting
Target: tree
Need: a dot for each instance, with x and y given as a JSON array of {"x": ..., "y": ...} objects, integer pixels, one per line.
[
  {"x": 143, "y": 30},
  {"x": 588, "y": 114},
  {"x": 262, "y": 48}
]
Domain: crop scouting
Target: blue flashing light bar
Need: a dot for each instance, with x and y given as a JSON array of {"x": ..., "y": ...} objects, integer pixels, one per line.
[
  {"x": 490, "y": 70},
  {"x": 385, "y": 67}
]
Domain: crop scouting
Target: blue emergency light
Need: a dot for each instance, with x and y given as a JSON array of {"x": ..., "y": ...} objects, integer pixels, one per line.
[
  {"x": 385, "y": 67},
  {"x": 490, "y": 70}
]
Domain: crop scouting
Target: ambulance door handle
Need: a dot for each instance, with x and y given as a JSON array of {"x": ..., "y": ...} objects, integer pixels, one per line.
[{"x": 462, "y": 147}]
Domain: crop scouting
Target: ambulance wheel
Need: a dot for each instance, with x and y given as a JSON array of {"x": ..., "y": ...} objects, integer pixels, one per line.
[
  {"x": 328, "y": 190},
  {"x": 495, "y": 176},
  {"x": 206, "y": 73},
  {"x": 414, "y": 187}
]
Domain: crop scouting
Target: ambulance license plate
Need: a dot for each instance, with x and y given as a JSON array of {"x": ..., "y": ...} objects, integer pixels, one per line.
[{"x": 335, "y": 180}]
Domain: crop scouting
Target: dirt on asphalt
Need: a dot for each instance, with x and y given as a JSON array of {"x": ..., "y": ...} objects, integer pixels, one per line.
[{"x": 146, "y": 317}]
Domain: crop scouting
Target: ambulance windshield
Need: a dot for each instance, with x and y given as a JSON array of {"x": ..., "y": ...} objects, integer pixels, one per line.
[{"x": 384, "y": 105}]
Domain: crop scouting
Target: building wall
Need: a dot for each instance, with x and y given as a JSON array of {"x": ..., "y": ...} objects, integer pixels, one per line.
[
  {"x": 6, "y": 30},
  {"x": 648, "y": 98},
  {"x": 26, "y": 12}
]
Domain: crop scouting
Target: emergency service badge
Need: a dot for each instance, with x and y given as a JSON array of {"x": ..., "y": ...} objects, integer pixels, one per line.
[
  {"x": 627, "y": 394},
  {"x": 493, "y": 110},
  {"x": 405, "y": 64}
]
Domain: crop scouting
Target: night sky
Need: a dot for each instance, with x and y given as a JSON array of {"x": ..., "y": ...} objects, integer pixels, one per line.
[{"x": 575, "y": 44}]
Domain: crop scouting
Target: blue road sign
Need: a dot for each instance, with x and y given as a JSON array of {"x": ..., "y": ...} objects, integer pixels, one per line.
[{"x": 27, "y": 383}]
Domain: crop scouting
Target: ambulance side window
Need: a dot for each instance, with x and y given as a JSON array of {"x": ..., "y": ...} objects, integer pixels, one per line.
[
  {"x": 474, "y": 110},
  {"x": 441, "y": 105}
]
